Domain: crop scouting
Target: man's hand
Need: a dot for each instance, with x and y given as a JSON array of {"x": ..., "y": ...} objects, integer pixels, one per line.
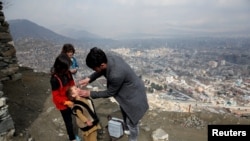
[
  {"x": 84, "y": 82},
  {"x": 84, "y": 93},
  {"x": 73, "y": 71}
]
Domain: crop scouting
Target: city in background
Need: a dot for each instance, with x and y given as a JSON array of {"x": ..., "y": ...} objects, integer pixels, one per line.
[{"x": 193, "y": 73}]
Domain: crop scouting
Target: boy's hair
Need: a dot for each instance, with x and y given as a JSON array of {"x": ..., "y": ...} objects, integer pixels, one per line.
[
  {"x": 69, "y": 93},
  {"x": 68, "y": 48},
  {"x": 95, "y": 58}
]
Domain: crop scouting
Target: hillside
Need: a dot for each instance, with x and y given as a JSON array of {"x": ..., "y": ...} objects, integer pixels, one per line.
[{"x": 35, "y": 116}]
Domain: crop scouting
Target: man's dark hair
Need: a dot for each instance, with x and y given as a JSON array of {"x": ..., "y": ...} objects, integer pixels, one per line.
[{"x": 95, "y": 58}]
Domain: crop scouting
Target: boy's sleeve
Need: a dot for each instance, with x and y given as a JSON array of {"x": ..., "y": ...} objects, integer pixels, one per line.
[
  {"x": 77, "y": 66},
  {"x": 76, "y": 63}
]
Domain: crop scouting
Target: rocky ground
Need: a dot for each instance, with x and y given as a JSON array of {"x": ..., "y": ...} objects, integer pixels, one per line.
[{"x": 37, "y": 119}]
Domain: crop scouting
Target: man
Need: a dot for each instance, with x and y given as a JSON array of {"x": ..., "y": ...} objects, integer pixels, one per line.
[{"x": 122, "y": 84}]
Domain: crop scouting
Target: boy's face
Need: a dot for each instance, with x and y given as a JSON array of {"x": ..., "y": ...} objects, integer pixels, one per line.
[{"x": 75, "y": 91}]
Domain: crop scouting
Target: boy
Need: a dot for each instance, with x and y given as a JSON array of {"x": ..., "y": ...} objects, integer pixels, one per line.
[{"x": 84, "y": 111}]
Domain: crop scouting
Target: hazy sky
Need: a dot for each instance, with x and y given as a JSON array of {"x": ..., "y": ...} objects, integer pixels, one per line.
[{"x": 110, "y": 18}]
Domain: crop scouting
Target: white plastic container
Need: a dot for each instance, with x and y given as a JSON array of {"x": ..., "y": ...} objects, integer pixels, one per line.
[{"x": 115, "y": 127}]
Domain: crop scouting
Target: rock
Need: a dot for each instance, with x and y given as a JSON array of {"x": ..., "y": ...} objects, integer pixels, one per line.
[{"x": 159, "y": 135}]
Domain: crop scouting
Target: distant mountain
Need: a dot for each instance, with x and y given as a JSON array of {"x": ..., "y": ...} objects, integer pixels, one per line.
[
  {"x": 78, "y": 34},
  {"x": 22, "y": 28}
]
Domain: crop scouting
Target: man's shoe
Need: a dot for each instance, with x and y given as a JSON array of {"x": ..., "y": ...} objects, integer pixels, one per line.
[{"x": 127, "y": 132}]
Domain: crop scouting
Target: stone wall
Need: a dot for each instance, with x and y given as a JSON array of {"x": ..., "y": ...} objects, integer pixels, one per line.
[{"x": 8, "y": 72}]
